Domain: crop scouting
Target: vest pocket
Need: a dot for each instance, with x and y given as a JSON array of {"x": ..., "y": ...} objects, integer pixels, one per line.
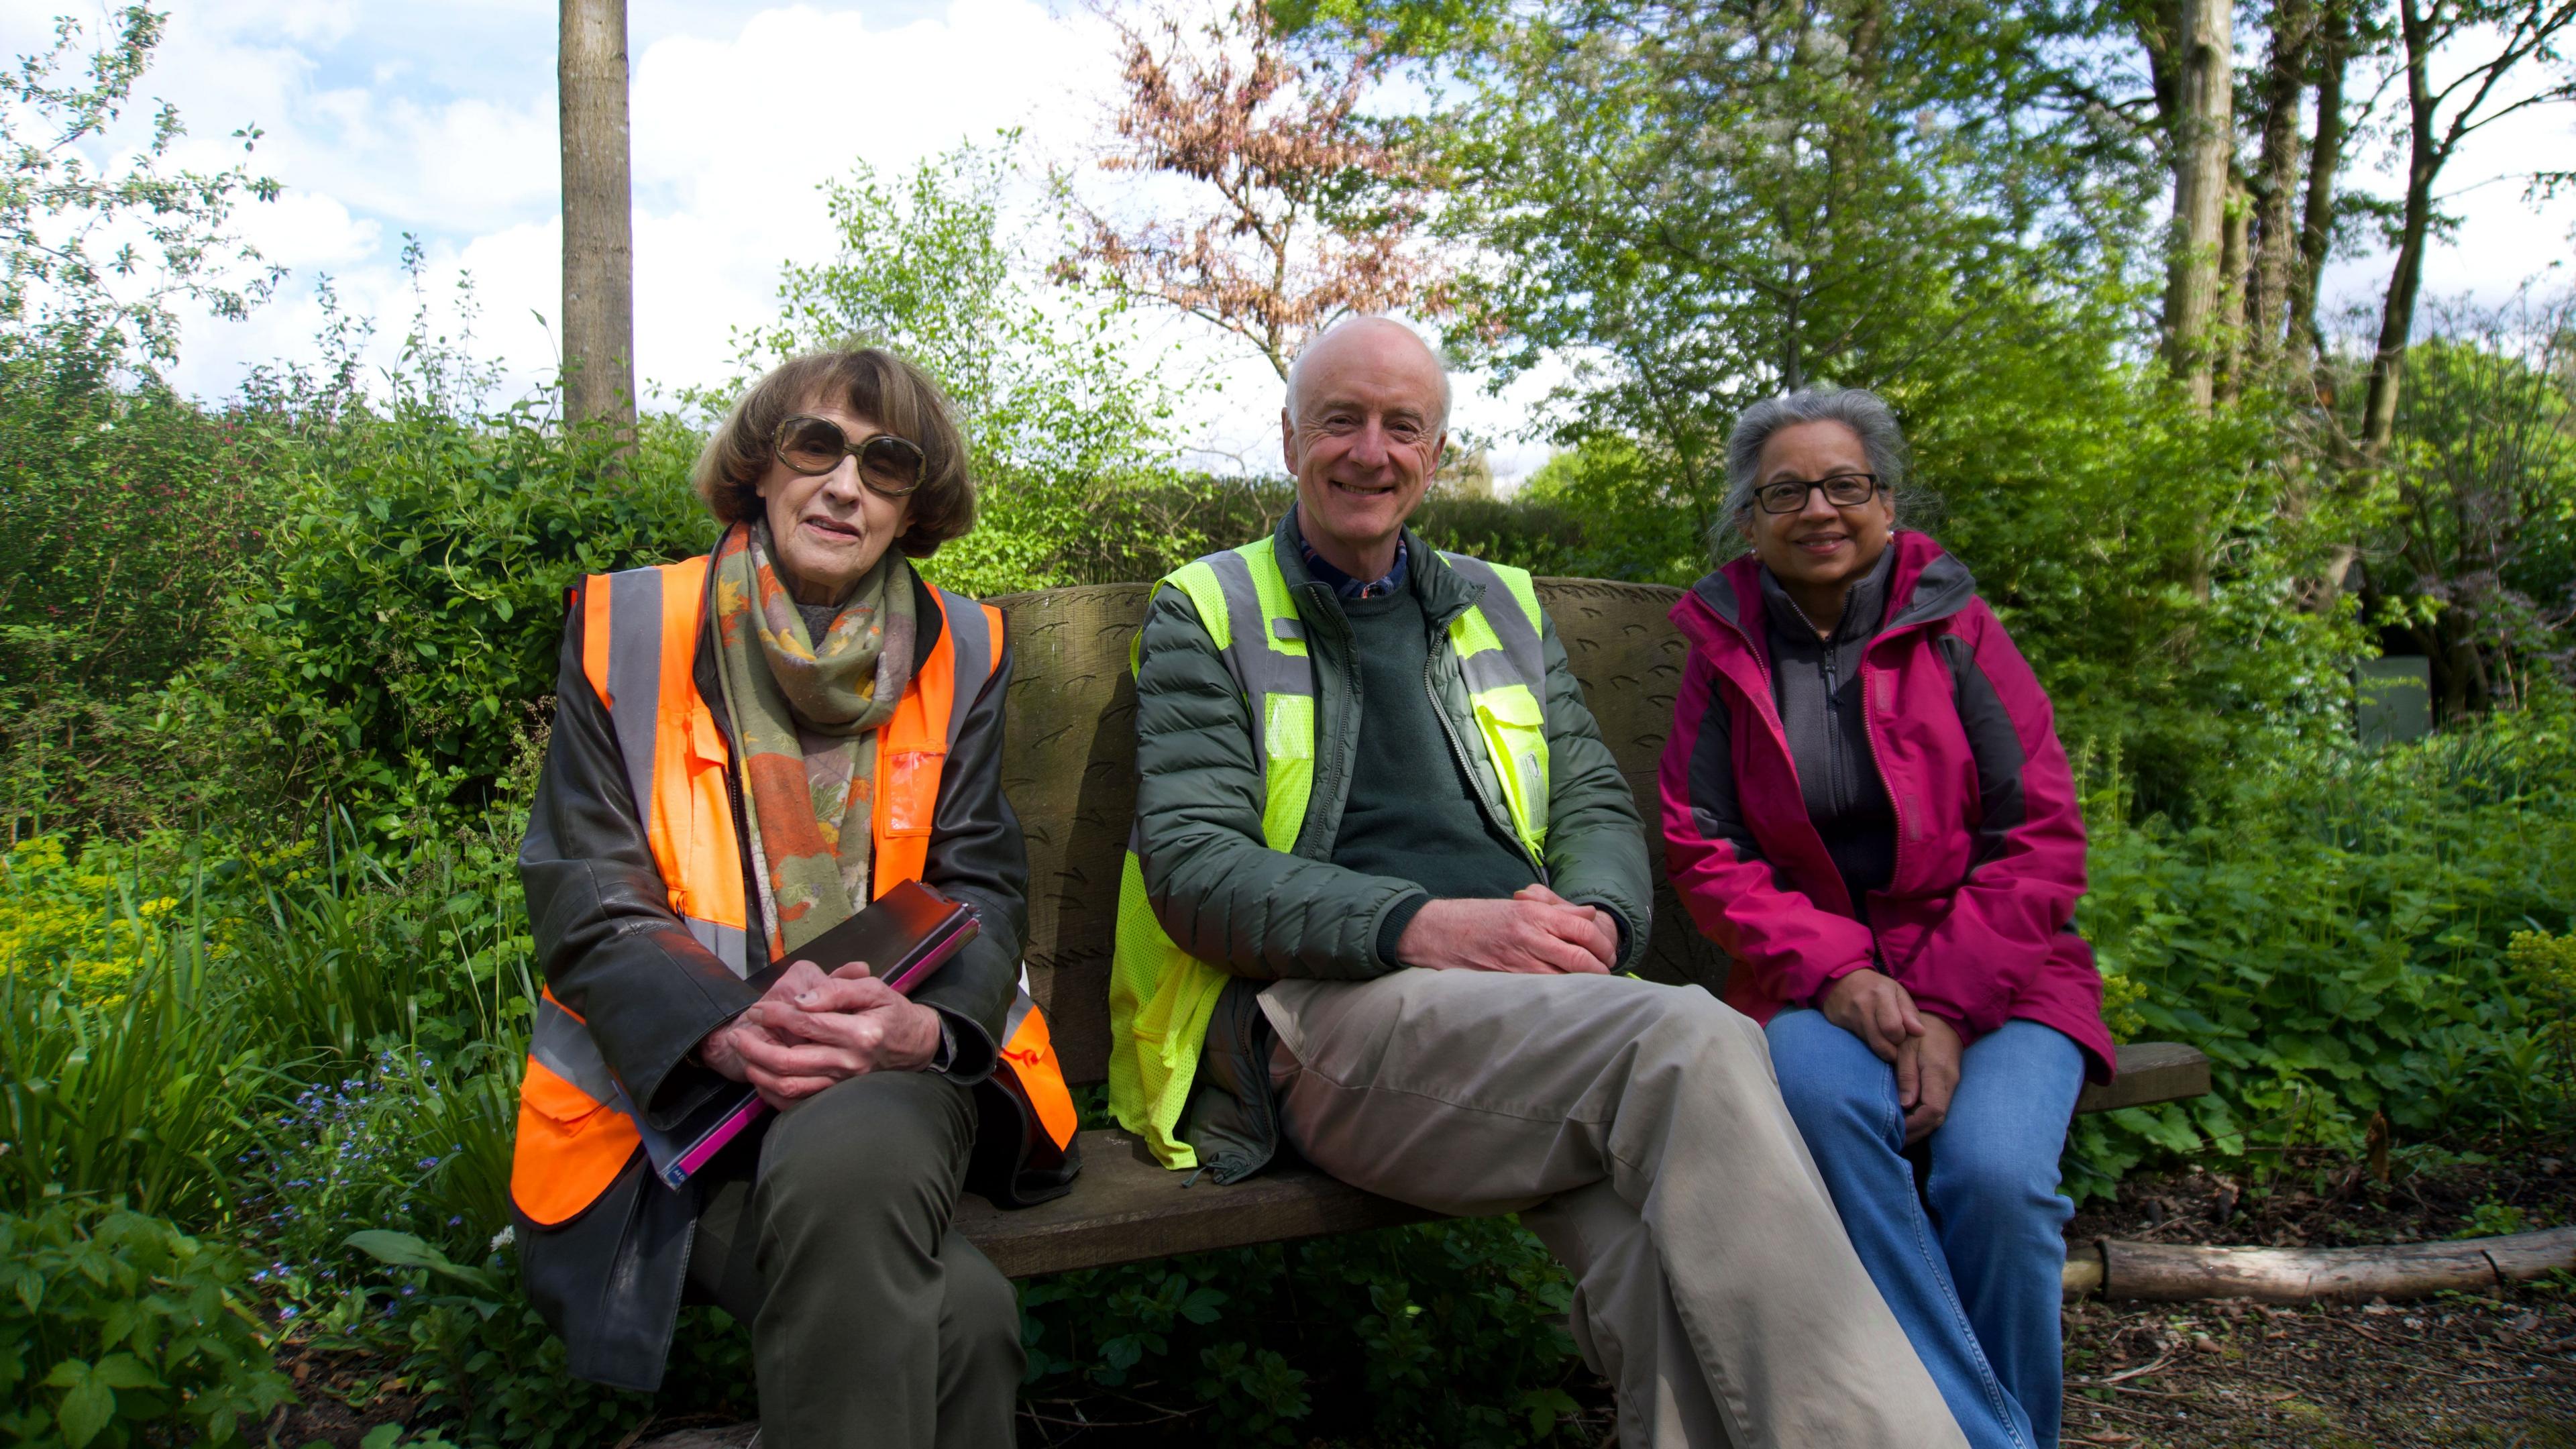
[
  {"x": 911, "y": 783},
  {"x": 570, "y": 1147},
  {"x": 1515, "y": 733}
]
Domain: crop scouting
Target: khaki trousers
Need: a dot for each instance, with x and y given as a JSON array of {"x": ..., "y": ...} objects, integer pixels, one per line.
[{"x": 1639, "y": 1130}]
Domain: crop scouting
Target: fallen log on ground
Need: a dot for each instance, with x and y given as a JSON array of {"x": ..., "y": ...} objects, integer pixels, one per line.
[{"x": 2173, "y": 1273}]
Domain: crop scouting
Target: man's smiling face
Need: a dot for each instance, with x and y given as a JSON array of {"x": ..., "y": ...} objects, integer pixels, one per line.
[{"x": 1363, "y": 431}]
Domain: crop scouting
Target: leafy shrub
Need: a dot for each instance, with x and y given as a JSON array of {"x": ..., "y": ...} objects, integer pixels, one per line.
[
  {"x": 163, "y": 1003},
  {"x": 416, "y": 601},
  {"x": 2342, "y": 945},
  {"x": 91, "y": 911},
  {"x": 116, "y": 1328},
  {"x": 2545, "y": 966},
  {"x": 130, "y": 517}
]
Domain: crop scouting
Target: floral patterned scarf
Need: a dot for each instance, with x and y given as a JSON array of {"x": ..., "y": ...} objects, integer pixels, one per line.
[{"x": 805, "y": 714}]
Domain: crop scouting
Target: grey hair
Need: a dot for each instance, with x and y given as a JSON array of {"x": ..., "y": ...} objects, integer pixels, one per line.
[
  {"x": 1298, "y": 364},
  {"x": 1864, "y": 412}
]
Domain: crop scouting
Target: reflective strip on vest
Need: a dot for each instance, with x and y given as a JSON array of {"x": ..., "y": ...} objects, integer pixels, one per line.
[
  {"x": 640, "y": 636},
  {"x": 1160, "y": 996}
]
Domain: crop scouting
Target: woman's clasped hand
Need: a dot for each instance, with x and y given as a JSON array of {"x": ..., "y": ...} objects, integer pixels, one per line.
[
  {"x": 813, "y": 1029},
  {"x": 1925, "y": 1049}
]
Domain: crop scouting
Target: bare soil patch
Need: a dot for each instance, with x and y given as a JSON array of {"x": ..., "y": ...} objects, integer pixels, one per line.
[
  {"x": 2455, "y": 1370},
  {"x": 2460, "y": 1369}
]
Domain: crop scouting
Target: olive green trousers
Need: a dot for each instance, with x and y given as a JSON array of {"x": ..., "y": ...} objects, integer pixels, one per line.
[{"x": 873, "y": 1323}]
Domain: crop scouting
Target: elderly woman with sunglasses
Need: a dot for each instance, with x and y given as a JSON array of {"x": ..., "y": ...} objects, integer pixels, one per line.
[
  {"x": 748, "y": 748},
  {"x": 1866, "y": 806}
]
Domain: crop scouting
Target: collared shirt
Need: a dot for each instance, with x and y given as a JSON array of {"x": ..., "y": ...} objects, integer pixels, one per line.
[{"x": 1343, "y": 584}]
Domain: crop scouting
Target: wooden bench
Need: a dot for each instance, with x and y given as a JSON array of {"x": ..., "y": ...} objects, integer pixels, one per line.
[{"x": 1071, "y": 775}]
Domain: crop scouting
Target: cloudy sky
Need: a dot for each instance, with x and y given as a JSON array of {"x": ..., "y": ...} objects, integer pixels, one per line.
[{"x": 438, "y": 120}]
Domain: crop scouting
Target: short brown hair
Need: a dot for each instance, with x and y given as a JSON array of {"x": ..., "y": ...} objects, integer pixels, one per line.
[{"x": 871, "y": 382}]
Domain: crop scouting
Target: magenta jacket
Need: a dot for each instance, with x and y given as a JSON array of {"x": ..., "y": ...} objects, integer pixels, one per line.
[{"x": 1990, "y": 839}]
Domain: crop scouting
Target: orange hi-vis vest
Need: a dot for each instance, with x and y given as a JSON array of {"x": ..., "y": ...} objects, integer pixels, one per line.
[{"x": 640, "y": 634}]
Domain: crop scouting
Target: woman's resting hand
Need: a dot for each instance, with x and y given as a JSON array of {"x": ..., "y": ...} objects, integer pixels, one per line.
[
  {"x": 1870, "y": 1005},
  {"x": 1927, "y": 1073},
  {"x": 812, "y": 1030}
]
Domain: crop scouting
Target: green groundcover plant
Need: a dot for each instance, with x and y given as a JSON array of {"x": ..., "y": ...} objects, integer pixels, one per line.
[{"x": 116, "y": 1328}]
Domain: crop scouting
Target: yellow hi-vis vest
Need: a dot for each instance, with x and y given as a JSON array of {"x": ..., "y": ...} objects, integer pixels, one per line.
[
  {"x": 1160, "y": 996},
  {"x": 640, "y": 632}
]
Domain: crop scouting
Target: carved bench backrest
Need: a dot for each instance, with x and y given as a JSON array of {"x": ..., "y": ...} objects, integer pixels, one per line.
[{"x": 1071, "y": 773}]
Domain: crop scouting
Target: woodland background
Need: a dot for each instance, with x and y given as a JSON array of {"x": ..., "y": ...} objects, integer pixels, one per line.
[{"x": 275, "y": 667}]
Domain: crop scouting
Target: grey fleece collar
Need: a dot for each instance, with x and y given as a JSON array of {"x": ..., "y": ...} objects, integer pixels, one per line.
[{"x": 1864, "y": 603}]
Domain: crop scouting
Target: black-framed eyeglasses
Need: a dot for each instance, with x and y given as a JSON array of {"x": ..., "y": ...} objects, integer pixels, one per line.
[
  {"x": 890, "y": 466},
  {"x": 1842, "y": 490}
]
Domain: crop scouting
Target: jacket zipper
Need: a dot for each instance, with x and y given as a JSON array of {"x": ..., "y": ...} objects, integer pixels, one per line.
[
  {"x": 1833, "y": 726},
  {"x": 1332, "y": 779}
]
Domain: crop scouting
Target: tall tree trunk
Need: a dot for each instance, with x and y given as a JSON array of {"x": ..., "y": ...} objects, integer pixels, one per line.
[
  {"x": 2325, "y": 163},
  {"x": 2236, "y": 239},
  {"x": 598, "y": 215},
  {"x": 2424, "y": 157},
  {"x": 2276, "y": 177},
  {"x": 2203, "y": 146}
]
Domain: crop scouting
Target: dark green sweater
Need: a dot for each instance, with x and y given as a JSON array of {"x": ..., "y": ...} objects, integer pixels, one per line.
[{"x": 1412, "y": 814}]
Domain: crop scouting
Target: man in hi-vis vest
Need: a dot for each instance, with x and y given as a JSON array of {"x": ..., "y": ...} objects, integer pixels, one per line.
[{"x": 1383, "y": 880}]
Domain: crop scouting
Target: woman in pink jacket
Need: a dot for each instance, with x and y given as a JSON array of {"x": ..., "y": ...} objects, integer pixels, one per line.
[{"x": 1865, "y": 804}]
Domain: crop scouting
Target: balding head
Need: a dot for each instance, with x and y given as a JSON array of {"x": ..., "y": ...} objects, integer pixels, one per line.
[
  {"x": 1367, "y": 414},
  {"x": 1380, "y": 335}
]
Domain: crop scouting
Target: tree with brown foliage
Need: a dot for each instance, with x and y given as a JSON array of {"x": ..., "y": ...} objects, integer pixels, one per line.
[{"x": 1302, "y": 215}]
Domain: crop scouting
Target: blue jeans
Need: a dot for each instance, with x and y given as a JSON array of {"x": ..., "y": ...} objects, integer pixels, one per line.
[{"x": 1976, "y": 1282}]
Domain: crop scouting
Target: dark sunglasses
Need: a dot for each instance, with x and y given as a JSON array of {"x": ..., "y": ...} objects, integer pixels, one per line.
[
  {"x": 890, "y": 466},
  {"x": 1843, "y": 490}
]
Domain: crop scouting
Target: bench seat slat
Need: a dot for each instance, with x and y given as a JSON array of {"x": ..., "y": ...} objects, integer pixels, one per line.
[{"x": 1126, "y": 1209}]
